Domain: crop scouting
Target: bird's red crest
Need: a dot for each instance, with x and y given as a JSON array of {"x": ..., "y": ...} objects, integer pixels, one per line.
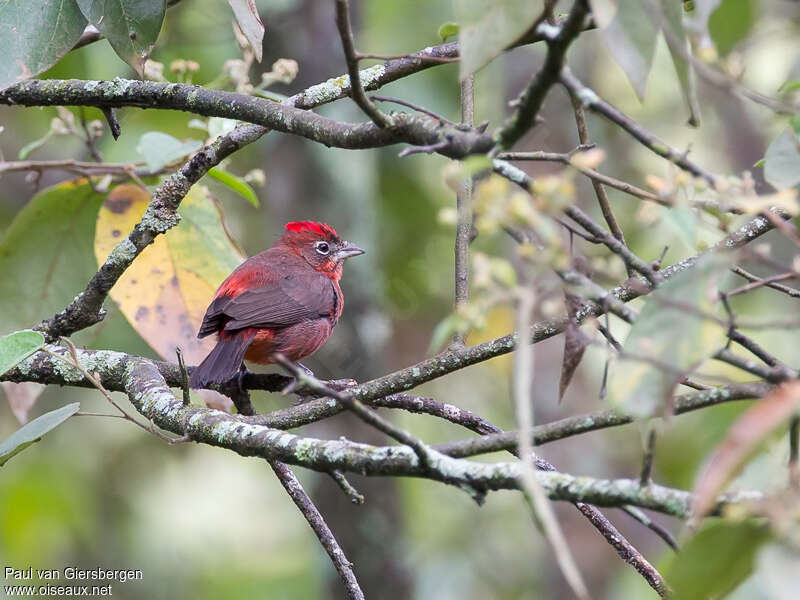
[{"x": 320, "y": 228}]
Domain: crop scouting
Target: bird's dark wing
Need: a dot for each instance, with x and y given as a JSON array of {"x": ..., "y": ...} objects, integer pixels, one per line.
[{"x": 291, "y": 299}]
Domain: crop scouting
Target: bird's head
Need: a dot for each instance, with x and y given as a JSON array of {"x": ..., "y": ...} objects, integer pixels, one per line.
[{"x": 320, "y": 245}]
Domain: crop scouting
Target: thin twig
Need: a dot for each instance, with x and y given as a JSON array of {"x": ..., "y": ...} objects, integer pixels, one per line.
[
  {"x": 413, "y": 106},
  {"x": 616, "y": 246},
  {"x": 599, "y": 190},
  {"x": 423, "y": 452},
  {"x": 792, "y": 292},
  {"x": 77, "y": 166},
  {"x": 187, "y": 398},
  {"x": 761, "y": 282},
  {"x": 660, "y": 531},
  {"x": 89, "y": 138},
  {"x": 347, "y": 487},
  {"x": 311, "y": 513},
  {"x": 464, "y": 211},
  {"x": 350, "y": 55},
  {"x": 794, "y": 451},
  {"x": 95, "y": 381},
  {"x": 589, "y": 99}
]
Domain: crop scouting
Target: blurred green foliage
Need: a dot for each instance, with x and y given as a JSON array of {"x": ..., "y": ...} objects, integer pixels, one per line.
[{"x": 202, "y": 523}]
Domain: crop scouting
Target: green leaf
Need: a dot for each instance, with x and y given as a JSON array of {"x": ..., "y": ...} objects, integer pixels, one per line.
[
  {"x": 218, "y": 126},
  {"x": 246, "y": 13},
  {"x": 731, "y": 23},
  {"x": 631, "y": 39},
  {"x": 35, "y": 35},
  {"x": 32, "y": 432},
  {"x": 790, "y": 86},
  {"x": 131, "y": 26},
  {"x": 447, "y": 30},
  {"x": 794, "y": 123},
  {"x": 487, "y": 27},
  {"x": 670, "y": 336},
  {"x": 682, "y": 221},
  {"x": 46, "y": 258},
  {"x": 716, "y": 560},
  {"x": 160, "y": 149},
  {"x": 446, "y": 328},
  {"x": 18, "y": 346},
  {"x": 237, "y": 184},
  {"x": 678, "y": 44},
  {"x": 782, "y": 161}
]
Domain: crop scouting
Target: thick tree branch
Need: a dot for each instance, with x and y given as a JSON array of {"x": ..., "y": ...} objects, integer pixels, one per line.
[
  {"x": 414, "y": 129},
  {"x": 530, "y": 101},
  {"x": 148, "y": 392}
]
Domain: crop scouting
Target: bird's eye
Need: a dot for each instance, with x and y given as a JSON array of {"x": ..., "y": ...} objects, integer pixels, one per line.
[{"x": 322, "y": 248}]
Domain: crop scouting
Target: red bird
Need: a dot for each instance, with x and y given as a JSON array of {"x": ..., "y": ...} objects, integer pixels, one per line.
[{"x": 286, "y": 299}]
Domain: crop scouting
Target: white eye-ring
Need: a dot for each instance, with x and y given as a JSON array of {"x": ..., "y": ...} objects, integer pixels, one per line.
[{"x": 322, "y": 248}]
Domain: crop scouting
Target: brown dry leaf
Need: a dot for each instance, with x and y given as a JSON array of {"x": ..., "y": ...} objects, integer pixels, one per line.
[
  {"x": 165, "y": 292},
  {"x": 575, "y": 342},
  {"x": 741, "y": 442},
  {"x": 21, "y": 397}
]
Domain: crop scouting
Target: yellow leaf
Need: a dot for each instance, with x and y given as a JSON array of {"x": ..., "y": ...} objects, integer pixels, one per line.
[{"x": 165, "y": 292}]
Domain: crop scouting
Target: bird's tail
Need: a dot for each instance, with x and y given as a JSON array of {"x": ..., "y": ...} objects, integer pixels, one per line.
[{"x": 224, "y": 361}]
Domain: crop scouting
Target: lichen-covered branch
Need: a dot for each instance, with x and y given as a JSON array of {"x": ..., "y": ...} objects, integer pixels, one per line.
[
  {"x": 147, "y": 389},
  {"x": 414, "y": 129},
  {"x": 149, "y": 394}
]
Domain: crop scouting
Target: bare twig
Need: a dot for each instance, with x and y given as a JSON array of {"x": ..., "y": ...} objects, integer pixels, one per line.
[
  {"x": 464, "y": 211},
  {"x": 423, "y": 452},
  {"x": 187, "y": 398},
  {"x": 88, "y": 138},
  {"x": 660, "y": 531},
  {"x": 95, "y": 381},
  {"x": 792, "y": 292},
  {"x": 616, "y": 246},
  {"x": 311, "y": 513},
  {"x": 589, "y": 99},
  {"x": 794, "y": 451},
  {"x": 351, "y": 56},
  {"x": 413, "y": 106},
  {"x": 77, "y": 166},
  {"x": 757, "y": 283},
  {"x": 599, "y": 190},
  {"x": 347, "y": 487}
]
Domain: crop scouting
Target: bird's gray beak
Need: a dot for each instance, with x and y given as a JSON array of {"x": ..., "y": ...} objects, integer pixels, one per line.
[{"x": 348, "y": 251}]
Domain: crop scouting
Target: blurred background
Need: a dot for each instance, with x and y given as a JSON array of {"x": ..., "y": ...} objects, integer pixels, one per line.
[{"x": 204, "y": 523}]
